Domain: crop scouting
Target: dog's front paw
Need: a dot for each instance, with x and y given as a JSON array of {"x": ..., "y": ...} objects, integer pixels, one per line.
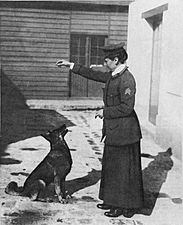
[
  {"x": 62, "y": 200},
  {"x": 34, "y": 195},
  {"x": 68, "y": 196}
]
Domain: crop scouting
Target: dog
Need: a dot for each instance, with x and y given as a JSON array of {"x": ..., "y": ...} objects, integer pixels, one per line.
[{"x": 53, "y": 169}]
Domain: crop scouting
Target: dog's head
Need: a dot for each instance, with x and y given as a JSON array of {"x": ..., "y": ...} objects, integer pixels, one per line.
[{"x": 55, "y": 135}]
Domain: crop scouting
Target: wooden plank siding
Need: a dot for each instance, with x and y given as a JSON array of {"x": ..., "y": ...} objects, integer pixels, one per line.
[
  {"x": 89, "y": 22},
  {"x": 104, "y": 2},
  {"x": 118, "y": 27},
  {"x": 32, "y": 40}
]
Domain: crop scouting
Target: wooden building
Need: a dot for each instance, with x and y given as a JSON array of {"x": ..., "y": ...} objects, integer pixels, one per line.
[{"x": 34, "y": 35}]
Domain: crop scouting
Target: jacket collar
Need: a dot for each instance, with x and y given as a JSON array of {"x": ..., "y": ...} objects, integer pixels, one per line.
[{"x": 119, "y": 70}]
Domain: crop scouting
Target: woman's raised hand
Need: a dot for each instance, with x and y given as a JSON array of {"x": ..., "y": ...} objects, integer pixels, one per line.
[
  {"x": 63, "y": 62},
  {"x": 99, "y": 114}
]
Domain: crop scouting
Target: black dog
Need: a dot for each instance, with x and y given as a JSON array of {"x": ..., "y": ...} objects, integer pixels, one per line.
[{"x": 54, "y": 168}]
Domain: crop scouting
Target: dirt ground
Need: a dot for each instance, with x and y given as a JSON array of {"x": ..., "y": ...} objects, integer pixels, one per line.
[{"x": 23, "y": 148}]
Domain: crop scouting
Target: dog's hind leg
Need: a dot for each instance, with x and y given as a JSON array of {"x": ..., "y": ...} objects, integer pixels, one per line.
[{"x": 35, "y": 189}]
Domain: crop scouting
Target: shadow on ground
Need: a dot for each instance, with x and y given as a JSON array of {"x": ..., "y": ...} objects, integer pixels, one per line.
[
  {"x": 19, "y": 121},
  {"x": 73, "y": 186},
  {"x": 154, "y": 175},
  {"x": 82, "y": 182},
  {"x": 29, "y": 217}
]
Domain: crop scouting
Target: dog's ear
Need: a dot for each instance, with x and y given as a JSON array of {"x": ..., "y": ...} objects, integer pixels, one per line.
[
  {"x": 46, "y": 136},
  {"x": 169, "y": 151}
]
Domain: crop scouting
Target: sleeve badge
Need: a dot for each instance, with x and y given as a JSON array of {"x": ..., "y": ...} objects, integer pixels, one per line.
[{"x": 128, "y": 91}]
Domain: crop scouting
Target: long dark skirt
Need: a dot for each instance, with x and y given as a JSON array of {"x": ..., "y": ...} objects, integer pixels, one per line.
[{"x": 121, "y": 179}]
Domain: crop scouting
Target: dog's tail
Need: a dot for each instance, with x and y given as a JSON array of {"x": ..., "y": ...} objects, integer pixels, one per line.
[{"x": 13, "y": 189}]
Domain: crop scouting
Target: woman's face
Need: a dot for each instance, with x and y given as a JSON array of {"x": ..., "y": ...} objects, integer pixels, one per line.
[{"x": 110, "y": 64}]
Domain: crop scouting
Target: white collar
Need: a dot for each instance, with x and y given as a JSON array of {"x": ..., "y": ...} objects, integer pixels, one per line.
[{"x": 118, "y": 69}]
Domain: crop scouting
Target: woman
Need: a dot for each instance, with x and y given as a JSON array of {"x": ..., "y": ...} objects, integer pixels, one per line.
[{"x": 121, "y": 187}]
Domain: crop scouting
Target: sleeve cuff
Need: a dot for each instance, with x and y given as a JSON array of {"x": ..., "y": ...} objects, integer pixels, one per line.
[{"x": 71, "y": 65}]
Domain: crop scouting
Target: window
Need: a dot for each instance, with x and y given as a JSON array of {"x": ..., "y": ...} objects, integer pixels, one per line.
[{"x": 86, "y": 50}]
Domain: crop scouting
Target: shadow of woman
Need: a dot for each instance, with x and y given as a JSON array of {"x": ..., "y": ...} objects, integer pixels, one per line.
[{"x": 154, "y": 175}]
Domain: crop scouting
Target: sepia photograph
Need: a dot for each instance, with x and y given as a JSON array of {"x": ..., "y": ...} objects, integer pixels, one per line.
[{"x": 91, "y": 112}]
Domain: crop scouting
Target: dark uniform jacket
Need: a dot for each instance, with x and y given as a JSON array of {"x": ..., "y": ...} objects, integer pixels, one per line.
[{"x": 121, "y": 125}]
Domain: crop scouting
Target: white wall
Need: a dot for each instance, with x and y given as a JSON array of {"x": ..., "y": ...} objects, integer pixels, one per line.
[
  {"x": 169, "y": 131},
  {"x": 169, "y": 121}
]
